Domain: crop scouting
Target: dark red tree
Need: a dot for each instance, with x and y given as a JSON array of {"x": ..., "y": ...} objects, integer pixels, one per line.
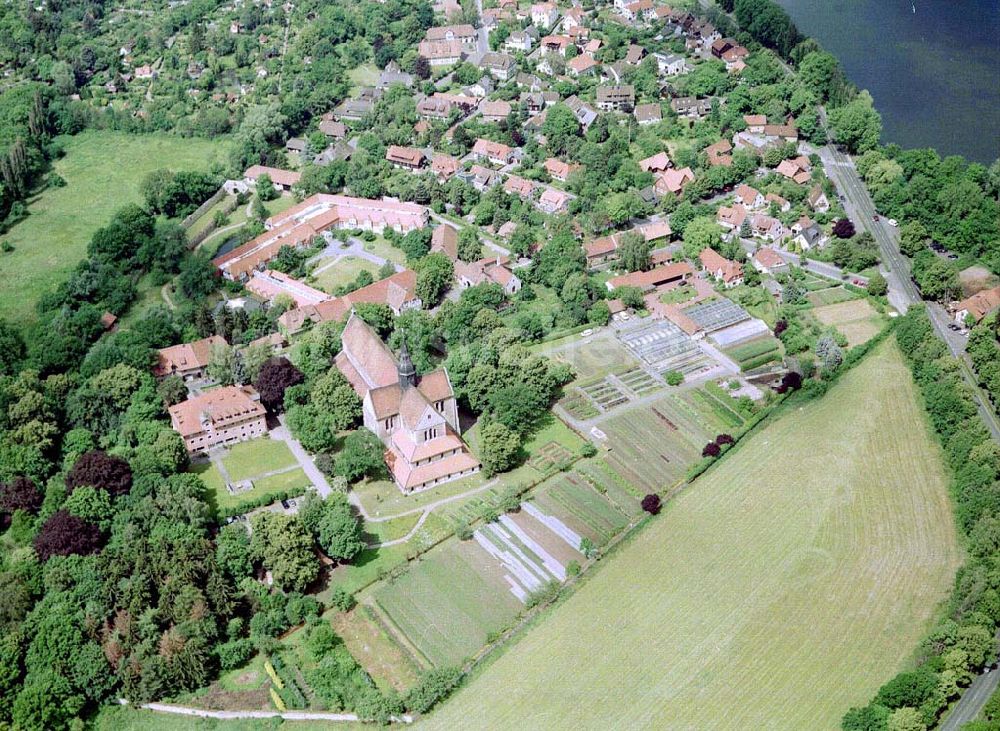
[
  {"x": 711, "y": 450},
  {"x": 779, "y": 327},
  {"x": 651, "y": 504},
  {"x": 843, "y": 228},
  {"x": 101, "y": 470},
  {"x": 64, "y": 534},
  {"x": 21, "y": 494},
  {"x": 276, "y": 375},
  {"x": 791, "y": 381},
  {"x": 724, "y": 439}
]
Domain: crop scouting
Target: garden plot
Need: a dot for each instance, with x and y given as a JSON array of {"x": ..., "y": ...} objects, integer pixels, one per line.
[
  {"x": 830, "y": 296},
  {"x": 550, "y": 456},
  {"x": 605, "y": 394},
  {"x": 717, "y": 315},
  {"x": 652, "y": 447},
  {"x": 579, "y": 407},
  {"x": 572, "y": 499},
  {"x": 662, "y": 346},
  {"x": 639, "y": 381}
]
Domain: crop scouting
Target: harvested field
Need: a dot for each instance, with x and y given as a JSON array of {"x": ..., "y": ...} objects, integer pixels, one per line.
[{"x": 774, "y": 593}]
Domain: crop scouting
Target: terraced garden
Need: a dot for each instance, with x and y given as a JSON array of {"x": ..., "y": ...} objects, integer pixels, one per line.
[{"x": 786, "y": 585}]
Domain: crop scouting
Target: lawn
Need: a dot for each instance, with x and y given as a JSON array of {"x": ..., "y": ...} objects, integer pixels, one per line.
[
  {"x": 785, "y": 586},
  {"x": 830, "y": 296},
  {"x": 591, "y": 357},
  {"x": 343, "y": 272},
  {"x": 678, "y": 295},
  {"x": 102, "y": 171},
  {"x": 257, "y": 457}
]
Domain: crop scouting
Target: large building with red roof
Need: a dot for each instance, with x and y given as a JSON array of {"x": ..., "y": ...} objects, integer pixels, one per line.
[
  {"x": 224, "y": 415},
  {"x": 415, "y": 416},
  {"x": 299, "y": 225}
]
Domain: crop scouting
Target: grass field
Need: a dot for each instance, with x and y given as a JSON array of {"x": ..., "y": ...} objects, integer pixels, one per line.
[
  {"x": 830, "y": 296},
  {"x": 102, "y": 171},
  {"x": 857, "y": 320},
  {"x": 248, "y": 459},
  {"x": 592, "y": 357},
  {"x": 785, "y": 586},
  {"x": 342, "y": 273}
]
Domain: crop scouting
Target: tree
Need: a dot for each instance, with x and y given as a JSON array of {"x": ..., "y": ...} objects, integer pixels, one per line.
[
  {"x": 172, "y": 390},
  {"x": 283, "y": 546},
  {"x": 843, "y": 228},
  {"x": 222, "y": 364},
  {"x": 265, "y": 187},
  {"x": 633, "y": 252},
  {"x": 651, "y": 503},
  {"x": 20, "y": 494},
  {"x": 334, "y": 396},
  {"x": 434, "y": 275},
  {"x": 64, "y": 534},
  {"x": 700, "y": 234},
  {"x": 559, "y": 128},
  {"x": 906, "y": 719},
  {"x": 791, "y": 381},
  {"x": 711, "y": 450},
  {"x": 338, "y": 531},
  {"x": 12, "y": 348},
  {"x": 829, "y": 353},
  {"x": 623, "y": 206},
  {"x": 723, "y": 439},
  {"x": 501, "y": 448},
  {"x": 877, "y": 286},
  {"x": 469, "y": 247},
  {"x": 361, "y": 456},
  {"x": 101, "y": 470},
  {"x": 821, "y": 72},
  {"x": 276, "y": 375},
  {"x": 92, "y": 505},
  {"x": 913, "y": 237},
  {"x": 869, "y": 718},
  {"x": 857, "y": 125}
]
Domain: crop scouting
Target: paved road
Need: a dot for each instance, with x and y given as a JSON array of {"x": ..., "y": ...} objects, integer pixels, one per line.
[
  {"x": 972, "y": 701},
  {"x": 903, "y": 292}
]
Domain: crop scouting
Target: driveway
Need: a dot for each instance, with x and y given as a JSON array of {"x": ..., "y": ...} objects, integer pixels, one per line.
[{"x": 317, "y": 478}]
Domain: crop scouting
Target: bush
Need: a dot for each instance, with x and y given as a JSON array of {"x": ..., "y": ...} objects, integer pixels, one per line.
[
  {"x": 433, "y": 687},
  {"x": 588, "y": 450},
  {"x": 342, "y": 599},
  {"x": 724, "y": 439},
  {"x": 234, "y": 653},
  {"x": 674, "y": 378},
  {"x": 652, "y": 504},
  {"x": 711, "y": 450}
]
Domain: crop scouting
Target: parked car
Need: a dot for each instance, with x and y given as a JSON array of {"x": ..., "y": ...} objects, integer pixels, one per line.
[
  {"x": 875, "y": 217},
  {"x": 893, "y": 222},
  {"x": 587, "y": 333}
]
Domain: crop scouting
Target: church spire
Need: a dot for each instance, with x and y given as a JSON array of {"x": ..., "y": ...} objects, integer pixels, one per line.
[{"x": 407, "y": 373}]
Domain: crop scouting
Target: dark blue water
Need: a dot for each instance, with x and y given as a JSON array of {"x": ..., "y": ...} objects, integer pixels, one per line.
[{"x": 934, "y": 73}]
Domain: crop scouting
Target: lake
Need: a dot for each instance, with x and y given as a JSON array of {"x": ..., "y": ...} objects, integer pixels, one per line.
[{"x": 932, "y": 66}]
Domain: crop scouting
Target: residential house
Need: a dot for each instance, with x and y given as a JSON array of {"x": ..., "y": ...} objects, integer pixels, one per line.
[
  {"x": 409, "y": 158},
  {"x": 585, "y": 114},
  {"x": 635, "y": 54},
  {"x": 605, "y": 249},
  {"x": 521, "y": 41},
  {"x": 755, "y": 123},
  {"x": 480, "y": 178},
  {"x": 465, "y": 34},
  {"x": 619, "y": 97},
  {"x": 281, "y": 179},
  {"x": 749, "y": 197},
  {"x": 544, "y": 15},
  {"x": 392, "y": 76},
  {"x": 646, "y": 114},
  {"x": 782, "y": 132},
  {"x": 444, "y": 166},
  {"x": 555, "y": 45},
  {"x": 720, "y": 153},
  {"x": 732, "y": 217},
  {"x": 496, "y": 153},
  {"x": 735, "y": 58},
  {"x": 499, "y": 65},
  {"x": 187, "y": 360},
  {"x": 492, "y": 112},
  {"x": 817, "y": 200},
  {"x": 444, "y": 240},
  {"x": 673, "y": 181},
  {"x": 553, "y": 201},
  {"x": 573, "y": 18},
  {"x": 441, "y": 53},
  {"x": 493, "y": 270},
  {"x": 638, "y": 10},
  {"x": 797, "y": 169},
  {"x": 581, "y": 65},
  {"x": 516, "y": 185},
  {"x": 810, "y": 236},
  {"x": 687, "y": 107},
  {"x": 977, "y": 306},
  {"x": 656, "y": 163},
  {"x": 432, "y": 108},
  {"x": 774, "y": 199},
  {"x": 415, "y": 417},
  {"x": 730, "y": 273},
  {"x": 559, "y": 170},
  {"x": 766, "y": 227},
  {"x": 671, "y": 64},
  {"x": 722, "y": 45},
  {"x": 767, "y": 261},
  {"x": 333, "y": 129},
  {"x": 222, "y": 416}
]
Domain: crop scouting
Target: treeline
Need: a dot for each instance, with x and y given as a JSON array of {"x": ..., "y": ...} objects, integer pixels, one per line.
[
  {"x": 984, "y": 349},
  {"x": 766, "y": 22},
  {"x": 962, "y": 641}
]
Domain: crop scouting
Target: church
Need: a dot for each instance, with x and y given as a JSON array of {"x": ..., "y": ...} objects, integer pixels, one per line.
[{"x": 416, "y": 417}]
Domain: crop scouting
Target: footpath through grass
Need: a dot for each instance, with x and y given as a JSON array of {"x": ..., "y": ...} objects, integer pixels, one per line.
[
  {"x": 102, "y": 171},
  {"x": 786, "y": 585}
]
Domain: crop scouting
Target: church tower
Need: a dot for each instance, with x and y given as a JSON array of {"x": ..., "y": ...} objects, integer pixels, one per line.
[{"x": 407, "y": 372}]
